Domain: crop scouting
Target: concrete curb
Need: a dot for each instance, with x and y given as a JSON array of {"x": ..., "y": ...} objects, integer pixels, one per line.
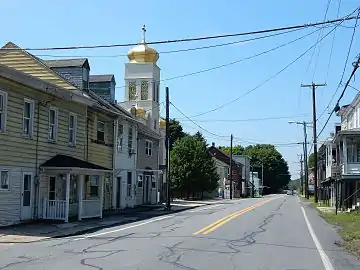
[{"x": 96, "y": 228}]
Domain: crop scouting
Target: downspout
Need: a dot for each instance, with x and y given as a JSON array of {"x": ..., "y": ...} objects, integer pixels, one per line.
[
  {"x": 115, "y": 124},
  {"x": 37, "y": 180},
  {"x": 86, "y": 131},
  {"x": 87, "y": 137}
]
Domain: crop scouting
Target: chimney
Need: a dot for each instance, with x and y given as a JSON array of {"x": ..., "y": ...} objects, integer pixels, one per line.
[
  {"x": 332, "y": 134},
  {"x": 213, "y": 144}
]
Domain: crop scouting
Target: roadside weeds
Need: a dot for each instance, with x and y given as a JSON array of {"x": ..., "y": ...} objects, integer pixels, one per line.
[{"x": 349, "y": 228}]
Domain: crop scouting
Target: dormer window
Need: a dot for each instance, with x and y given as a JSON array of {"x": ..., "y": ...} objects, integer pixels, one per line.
[{"x": 85, "y": 79}]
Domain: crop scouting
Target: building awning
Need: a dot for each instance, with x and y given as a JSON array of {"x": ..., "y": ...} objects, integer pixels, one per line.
[{"x": 68, "y": 164}]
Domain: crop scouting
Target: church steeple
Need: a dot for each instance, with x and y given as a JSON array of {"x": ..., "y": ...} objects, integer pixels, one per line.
[{"x": 142, "y": 80}]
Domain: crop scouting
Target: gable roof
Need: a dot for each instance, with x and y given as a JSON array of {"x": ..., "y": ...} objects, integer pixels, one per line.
[
  {"x": 102, "y": 78},
  {"x": 76, "y": 62},
  {"x": 13, "y": 56},
  {"x": 63, "y": 161},
  {"x": 222, "y": 156}
]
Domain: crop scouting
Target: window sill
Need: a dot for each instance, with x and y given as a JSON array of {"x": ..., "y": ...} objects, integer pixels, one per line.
[
  {"x": 4, "y": 190},
  {"x": 72, "y": 145},
  {"x": 52, "y": 141},
  {"x": 102, "y": 143},
  {"x": 28, "y": 137}
]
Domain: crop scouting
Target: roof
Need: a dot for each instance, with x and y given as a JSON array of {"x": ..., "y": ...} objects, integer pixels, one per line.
[
  {"x": 13, "y": 56},
  {"x": 76, "y": 62},
  {"x": 63, "y": 161},
  {"x": 102, "y": 78},
  {"x": 222, "y": 156}
]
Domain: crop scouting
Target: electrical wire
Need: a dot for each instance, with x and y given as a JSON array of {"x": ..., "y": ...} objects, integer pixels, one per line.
[
  {"x": 189, "y": 39},
  {"x": 320, "y": 34},
  {"x": 356, "y": 66},
  {"x": 179, "y": 50},
  {"x": 267, "y": 80},
  {"x": 249, "y": 119},
  {"x": 344, "y": 69}
]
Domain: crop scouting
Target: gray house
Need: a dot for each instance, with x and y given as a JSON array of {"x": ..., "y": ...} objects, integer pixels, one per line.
[{"x": 147, "y": 166}]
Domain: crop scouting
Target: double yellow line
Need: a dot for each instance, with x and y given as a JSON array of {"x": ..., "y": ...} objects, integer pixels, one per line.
[{"x": 220, "y": 222}]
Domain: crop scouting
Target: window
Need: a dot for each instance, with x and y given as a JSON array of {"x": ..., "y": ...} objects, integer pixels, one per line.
[
  {"x": 129, "y": 182},
  {"x": 120, "y": 138},
  {"x": 153, "y": 181},
  {"x": 140, "y": 180},
  {"x": 130, "y": 138},
  {"x": 72, "y": 129},
  {"x": 52, "y": 188},
  {"x": 157, "y": 93},
  {"x": 100, "y": 131},
  {"x": 94, "y": 185},
  {"x": 148, "y": 148},
  {"x": 4, "y": 180},
  {"x": 53, "y": 123},
  {"x": 144, "y": 90},
  {"x": 28, "y": 118},
  {"x": 3, "y": 103},
  {"x": 154, "y": 91},
  {"x": 85, "y": 79},
  {"x": 132, "y": 90}
]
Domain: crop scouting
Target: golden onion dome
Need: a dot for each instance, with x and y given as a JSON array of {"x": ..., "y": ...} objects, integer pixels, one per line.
[
  {"x": 140, "y": 112},
  {"x": 162, "y": 123},
  {"x": 142, "y": 53}
]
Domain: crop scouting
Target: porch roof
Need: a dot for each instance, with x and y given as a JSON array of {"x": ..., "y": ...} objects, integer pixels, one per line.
[
  {"x": 347, "y": 132},
  {"x": 68, "y": 163}
]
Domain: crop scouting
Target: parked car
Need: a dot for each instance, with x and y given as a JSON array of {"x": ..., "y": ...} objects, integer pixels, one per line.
[{"x": 289, "y": 192}]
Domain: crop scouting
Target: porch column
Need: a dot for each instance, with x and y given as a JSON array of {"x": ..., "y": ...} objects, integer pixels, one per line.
[
  {"x": 345, "y": 161},
  {"x": 67, "y": 197},
  {"x": 101, "y": 186},
  {"x": 81, "y": 179}
]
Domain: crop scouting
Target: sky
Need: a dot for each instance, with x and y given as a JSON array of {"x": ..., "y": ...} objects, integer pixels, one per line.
[{"x": 37, "y": 24}]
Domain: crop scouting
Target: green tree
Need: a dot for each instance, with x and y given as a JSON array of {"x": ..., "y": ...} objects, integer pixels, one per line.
[
  {"x": 198, "y": 135},
  {"x": 176, "y": 132},
  {"x": 193, "y": 170},
  {"x": 276, "y": 170},
  {"x": 237, "y": 149},
  {"x": 311, "y": 161}
]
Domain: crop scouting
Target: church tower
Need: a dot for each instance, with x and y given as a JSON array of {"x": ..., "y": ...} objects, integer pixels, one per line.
[{"x": 142, "y": 88}]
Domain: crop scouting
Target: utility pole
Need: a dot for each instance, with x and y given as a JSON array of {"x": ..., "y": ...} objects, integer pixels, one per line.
[
  {"x": 306, "y": 169},
  {"x": 231, "y": 168},
  {"x": 167, "y": 147},
  {"x": 313, "y": 86},
  {"x": 301, "y": 174}
]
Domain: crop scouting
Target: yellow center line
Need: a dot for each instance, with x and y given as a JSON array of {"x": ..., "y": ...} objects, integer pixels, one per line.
[{"x": 213, "y": 226}]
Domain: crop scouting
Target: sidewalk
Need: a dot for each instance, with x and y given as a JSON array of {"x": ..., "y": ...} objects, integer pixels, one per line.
[{"x": 39, "y": 231}]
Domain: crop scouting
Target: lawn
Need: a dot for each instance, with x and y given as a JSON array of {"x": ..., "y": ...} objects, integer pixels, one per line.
[{"x": 350, "y": 228}]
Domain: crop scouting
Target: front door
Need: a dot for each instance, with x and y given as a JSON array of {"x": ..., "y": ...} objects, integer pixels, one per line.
[
  {"x": 26, "y": 196},
  {"x": 118, "y": 192},
  {"x": 146, "y": 188}
]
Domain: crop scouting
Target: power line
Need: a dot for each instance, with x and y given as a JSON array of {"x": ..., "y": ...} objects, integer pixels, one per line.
[
  {"x": 344, "y": 69},
  {"x": 356, "y": 66},
  {"x": 189, "y": 39},
  {"x": 249, "y": 119},
  {"x": 230, "y": 63},
  {"x": 180, "y": 50},
  {"x": 267, "y": 80}
]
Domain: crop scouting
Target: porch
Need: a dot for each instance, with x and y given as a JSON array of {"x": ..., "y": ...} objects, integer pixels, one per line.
[{"x": 70, "y": 187}]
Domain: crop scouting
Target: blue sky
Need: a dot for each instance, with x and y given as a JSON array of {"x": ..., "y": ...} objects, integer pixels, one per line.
[{"x": 66, "y": 23}]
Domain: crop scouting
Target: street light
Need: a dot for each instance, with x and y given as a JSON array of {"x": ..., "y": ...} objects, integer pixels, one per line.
[{"x": 304, "y": 124}]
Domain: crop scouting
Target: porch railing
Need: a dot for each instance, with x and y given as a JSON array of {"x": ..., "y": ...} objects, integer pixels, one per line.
[
  {"x": 54, "y": 209},
  {"x": 91, "y": 208}
]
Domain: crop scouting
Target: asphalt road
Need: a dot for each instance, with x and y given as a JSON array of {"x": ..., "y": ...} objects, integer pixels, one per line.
[{"x": 274, "y": 232}]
